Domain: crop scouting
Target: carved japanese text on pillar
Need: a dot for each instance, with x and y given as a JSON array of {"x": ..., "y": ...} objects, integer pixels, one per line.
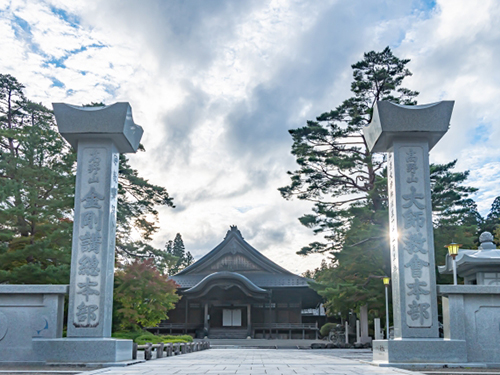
[
  {"x": 414, "y": 237},
  {"x": 90, "y": 240},
  {"x": 392, "y": 213}
]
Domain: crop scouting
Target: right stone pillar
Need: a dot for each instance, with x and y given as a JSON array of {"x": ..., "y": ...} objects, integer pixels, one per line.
[{"x": 407, "y": 134}]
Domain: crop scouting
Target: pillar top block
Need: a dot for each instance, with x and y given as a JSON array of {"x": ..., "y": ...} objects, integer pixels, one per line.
[
  {"x": 390, "y": 121},
  {"x": 113, "y": 122}
]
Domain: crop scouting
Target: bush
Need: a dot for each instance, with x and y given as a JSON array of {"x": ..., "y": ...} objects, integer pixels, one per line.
[
  {"x": 143, "y": 337},
  {"x": 129, "y": 335},
  {"x": 325, "y": 329}
]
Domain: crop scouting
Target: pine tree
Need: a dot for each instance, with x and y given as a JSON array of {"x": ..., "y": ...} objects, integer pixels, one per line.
[
  {"x": 492, "y": 221},
  {"x": 177, "y": 250},
  {"x": 36, "y": 193},
  {"x": 348, "y": 186}
]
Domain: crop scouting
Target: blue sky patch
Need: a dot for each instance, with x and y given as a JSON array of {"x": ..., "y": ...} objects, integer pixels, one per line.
[
  {"x": 480, "y": 133},
  {"x": 425, "y": 8},
  {"x": 56, "y": 82},
  {"x": 70, "y": 19}
]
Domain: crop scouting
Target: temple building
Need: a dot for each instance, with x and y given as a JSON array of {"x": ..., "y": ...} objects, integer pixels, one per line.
[{"x": 236, "y": 292}]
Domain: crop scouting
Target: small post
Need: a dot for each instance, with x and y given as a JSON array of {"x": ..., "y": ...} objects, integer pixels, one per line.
[
  {"x": 386, "y": 284},
  {"x": 358, "y": 335},
  {"x": 159, "y": 350},
  {"x": 346, "y": 332},
  {"x": 148, "y": 351},
  {"x": 134, "y": 351},
  {"x": 376, "y": 324},
  {"x": 455, "y": 282}
]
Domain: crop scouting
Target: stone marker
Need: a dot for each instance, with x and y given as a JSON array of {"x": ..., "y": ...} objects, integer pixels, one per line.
[
  {"x": 99, "y": 134},
  {"x": 363, "y": 325},
  {"x": 377, "y": 331},
  {"x": 407, "y": 133},
  {"x": 358, "y": 334}
]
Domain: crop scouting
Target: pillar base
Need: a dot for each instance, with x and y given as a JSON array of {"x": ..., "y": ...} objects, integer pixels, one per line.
[
  {"x": 84, "y": 350},
  {"x": 419, "y": 351}
]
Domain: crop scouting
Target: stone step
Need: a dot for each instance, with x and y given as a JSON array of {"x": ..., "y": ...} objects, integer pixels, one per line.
[{"x": 227, "y": 333}]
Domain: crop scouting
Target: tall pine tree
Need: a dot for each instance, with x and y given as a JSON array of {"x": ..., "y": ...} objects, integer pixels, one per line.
[{"x": 348, "y": 186}]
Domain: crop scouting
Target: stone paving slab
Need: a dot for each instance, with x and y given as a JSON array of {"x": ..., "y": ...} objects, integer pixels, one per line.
[{"x": 252, "y": 362}]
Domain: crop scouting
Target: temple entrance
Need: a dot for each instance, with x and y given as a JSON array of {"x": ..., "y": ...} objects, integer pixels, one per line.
[
  {"x": 225, "y": 315},
  {"x": 231, "y": 317}
]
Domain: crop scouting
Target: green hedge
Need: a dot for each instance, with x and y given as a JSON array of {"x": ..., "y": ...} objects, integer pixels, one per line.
[
  {"x": 143, "y": 337},
  {"x": 325, "y": 329}
]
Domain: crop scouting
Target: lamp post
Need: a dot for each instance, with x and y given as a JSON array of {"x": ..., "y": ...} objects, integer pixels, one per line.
[
  {"x": 386, "y": 281},
  {"x": 453, "y": 251}
]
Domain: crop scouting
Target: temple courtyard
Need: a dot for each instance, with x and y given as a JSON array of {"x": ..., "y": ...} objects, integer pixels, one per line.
[{"x": 247, "y": 361}]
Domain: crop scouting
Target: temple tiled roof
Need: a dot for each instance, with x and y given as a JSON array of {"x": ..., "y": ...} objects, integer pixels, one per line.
[{"x": 234, "y": 254}]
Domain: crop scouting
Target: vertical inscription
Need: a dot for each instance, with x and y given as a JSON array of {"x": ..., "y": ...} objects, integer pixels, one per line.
[
  {"x": 393, "y": 227},
  {"x": 415, "y": 218},
  {"x": 89, "y": 252}
]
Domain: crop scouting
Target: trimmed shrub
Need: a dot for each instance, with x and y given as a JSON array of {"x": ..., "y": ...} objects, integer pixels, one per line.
[
  {"x": 143, "y": 337},
  {"x": 325, "y": 329}
]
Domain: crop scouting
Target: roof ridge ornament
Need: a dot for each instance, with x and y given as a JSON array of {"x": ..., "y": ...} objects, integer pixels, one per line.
[
  {"x": 486, "y": 240},
  {"x": 233, "y": 229}
]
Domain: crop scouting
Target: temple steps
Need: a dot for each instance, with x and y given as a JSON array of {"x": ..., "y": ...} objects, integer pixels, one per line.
[{"x": 227, "y": 333}]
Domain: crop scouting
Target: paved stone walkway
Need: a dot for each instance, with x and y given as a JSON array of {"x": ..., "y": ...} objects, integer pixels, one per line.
[{"x": 252, "y": 362}]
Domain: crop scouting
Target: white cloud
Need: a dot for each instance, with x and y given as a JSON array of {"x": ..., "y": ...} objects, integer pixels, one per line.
[{"x": 217, "y": 84}]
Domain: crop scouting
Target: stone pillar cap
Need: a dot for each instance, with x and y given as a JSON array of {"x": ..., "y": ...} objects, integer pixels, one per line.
[
  {"x": 113, "y": 122},
  {"x": 390, "y": 121}
]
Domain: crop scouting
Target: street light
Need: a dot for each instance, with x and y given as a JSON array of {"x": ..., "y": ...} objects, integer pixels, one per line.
[
  {"x": 386, "y": 281},
  {"x": 453, "y": 251}
]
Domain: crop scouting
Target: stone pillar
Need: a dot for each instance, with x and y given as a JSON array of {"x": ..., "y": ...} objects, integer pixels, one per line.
[
  {"x": 346, "y": 332},
  {"x": 93, "y": 249},
  {"x": 363, "y": 318},
  {"x": 377, "y": 330},
  {"x": 205, "y": 320},
  {"x": 358, "y": 334},
  {"x": 249, "y": 320},
  {"x": 407, "y": 133},
  {"x": 99, "y": 134}
]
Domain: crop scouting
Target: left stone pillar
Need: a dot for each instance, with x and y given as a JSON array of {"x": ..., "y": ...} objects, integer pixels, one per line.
[{"x": 99, "y": 134}]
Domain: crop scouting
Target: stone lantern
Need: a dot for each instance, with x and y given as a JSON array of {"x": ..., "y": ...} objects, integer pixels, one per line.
[
  {"x": 471, "y": 312},
  {"x": 477, "y": 267}
]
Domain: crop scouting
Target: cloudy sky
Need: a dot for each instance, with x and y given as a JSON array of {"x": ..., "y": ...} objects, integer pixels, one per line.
[{"x": 216, "y": 85}]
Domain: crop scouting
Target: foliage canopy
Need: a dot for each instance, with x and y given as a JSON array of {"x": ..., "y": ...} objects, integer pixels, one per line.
[{"x": 348, "y": 186}]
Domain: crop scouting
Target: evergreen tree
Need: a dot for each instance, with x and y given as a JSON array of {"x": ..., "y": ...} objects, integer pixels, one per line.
[
  {"x": 36, "y": 193},
  {"x": 177, "y": 250},
  {"x": 348, "y": 186},
  {"x": 337, "y": 170},
  {"x": 492, "y": 221}
]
